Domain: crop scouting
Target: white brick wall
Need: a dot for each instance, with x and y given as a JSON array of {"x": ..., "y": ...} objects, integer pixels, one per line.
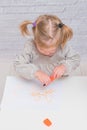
[{"x": 12, "y": 12}]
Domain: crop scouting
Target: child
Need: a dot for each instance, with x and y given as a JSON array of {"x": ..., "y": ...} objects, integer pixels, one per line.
[{"x": 46, "y": 53}]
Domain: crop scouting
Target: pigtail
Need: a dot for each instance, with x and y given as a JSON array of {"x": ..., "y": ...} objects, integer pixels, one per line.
[
  {"x": 67, "y": 34},
  {"x": 24, "y": 29}
]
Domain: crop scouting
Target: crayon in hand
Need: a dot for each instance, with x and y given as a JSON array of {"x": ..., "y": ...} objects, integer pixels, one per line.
[{"x": 52, "y": 78}]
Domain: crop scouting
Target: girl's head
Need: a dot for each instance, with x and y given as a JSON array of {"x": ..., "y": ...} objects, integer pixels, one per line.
[{"x": 49, "y": 32}]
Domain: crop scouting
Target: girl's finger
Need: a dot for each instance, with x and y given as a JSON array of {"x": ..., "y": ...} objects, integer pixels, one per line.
[
  {"x": 59, "y": 75},
  {"x": 46, "y": 81},
  {"x": 54, "y": 75},
  {"x": 56, "y": 69}
]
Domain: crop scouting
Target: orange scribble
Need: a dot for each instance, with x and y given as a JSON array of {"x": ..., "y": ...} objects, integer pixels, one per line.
[{"x": 45, "y": 94}]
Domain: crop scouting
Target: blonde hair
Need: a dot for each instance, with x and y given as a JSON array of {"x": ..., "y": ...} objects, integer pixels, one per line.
[{"x": 47, "y": 27}]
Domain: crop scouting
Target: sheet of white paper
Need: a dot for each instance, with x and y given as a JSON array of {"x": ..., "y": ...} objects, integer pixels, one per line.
[
  {"x": 23, "y": 94},
  {"x": 28, "y": 103}
]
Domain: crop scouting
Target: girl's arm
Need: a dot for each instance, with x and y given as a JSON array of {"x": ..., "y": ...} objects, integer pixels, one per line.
[
  {"x": 71, "y": 59},
  {"x": 23, "y": 63}
]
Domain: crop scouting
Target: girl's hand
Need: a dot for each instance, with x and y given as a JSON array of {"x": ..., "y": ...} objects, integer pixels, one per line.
[
  {"x": 43, "y": 77},
  {"x": 58, "y": 71}
]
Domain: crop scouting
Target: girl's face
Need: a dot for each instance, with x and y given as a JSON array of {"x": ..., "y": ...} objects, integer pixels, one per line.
[
  {"x": 47, "y": 51},
  {"x": 51, "y": 47}
]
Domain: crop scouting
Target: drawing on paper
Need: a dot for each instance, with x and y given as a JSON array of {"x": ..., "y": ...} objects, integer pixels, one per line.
[{"x": 37, "y": 94}]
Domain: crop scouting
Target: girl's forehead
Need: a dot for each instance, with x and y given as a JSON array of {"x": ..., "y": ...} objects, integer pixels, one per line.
[
  {"x": 48, "y": 48},
  {"x": 50, "y": 44},
  {"x": 47, "y": 44}
]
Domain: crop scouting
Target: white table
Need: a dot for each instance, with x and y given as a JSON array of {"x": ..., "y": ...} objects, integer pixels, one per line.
[{"x": 26, "y": 104}]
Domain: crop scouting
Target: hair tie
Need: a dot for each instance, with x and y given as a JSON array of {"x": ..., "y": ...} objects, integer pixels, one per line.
[
  {"x": 34, "y": 24},
  {"x": 60, "y": 25}
]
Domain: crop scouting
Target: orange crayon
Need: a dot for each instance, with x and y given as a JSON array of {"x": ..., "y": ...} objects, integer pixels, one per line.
[
  {"x": 47, "y": 122},
  {"x": 52, "y": 78}
]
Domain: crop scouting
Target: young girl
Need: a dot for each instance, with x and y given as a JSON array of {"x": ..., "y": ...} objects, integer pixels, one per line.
[{"x": 46, "y": 55}]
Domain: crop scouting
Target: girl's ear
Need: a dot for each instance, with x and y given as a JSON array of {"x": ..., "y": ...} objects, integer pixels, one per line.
[
  {"x": 23, "y": 27},
  {"x": 66, "y": 34}
]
